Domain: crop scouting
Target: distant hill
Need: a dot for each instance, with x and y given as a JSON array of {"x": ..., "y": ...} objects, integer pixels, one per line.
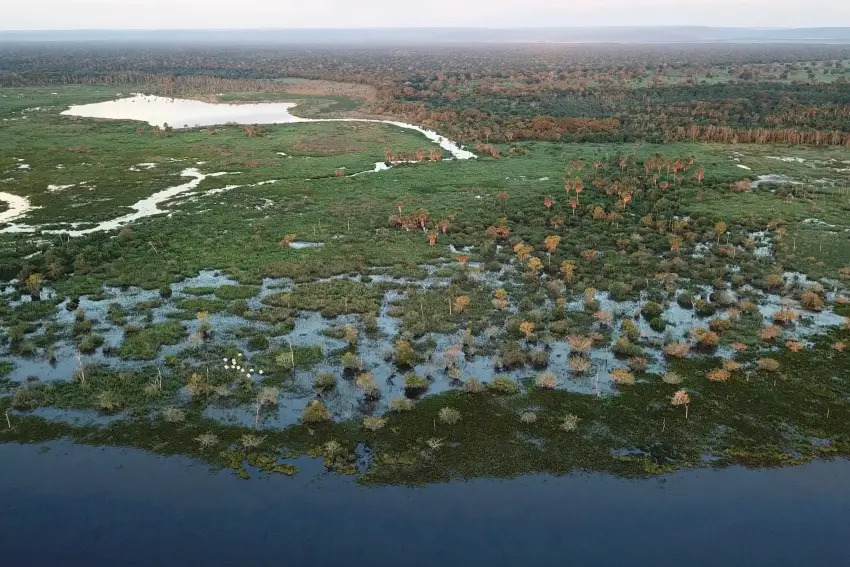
[{"x": 666, "y": 34}]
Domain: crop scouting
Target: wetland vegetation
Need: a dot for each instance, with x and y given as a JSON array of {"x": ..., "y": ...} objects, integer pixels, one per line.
[{"x": 641, "y": 268}]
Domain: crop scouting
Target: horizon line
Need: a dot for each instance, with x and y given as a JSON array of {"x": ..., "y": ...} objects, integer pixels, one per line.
[{"x": 443, "y": 27}]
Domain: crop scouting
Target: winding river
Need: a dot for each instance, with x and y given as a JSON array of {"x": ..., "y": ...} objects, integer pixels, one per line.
[{"x": 161, "y": 111}]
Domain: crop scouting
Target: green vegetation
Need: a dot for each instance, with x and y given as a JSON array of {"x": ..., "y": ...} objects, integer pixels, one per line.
[{"x": 592, "y": 292}]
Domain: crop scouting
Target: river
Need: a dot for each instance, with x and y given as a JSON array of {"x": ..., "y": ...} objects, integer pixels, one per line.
[{"x": 78, "y": 505}]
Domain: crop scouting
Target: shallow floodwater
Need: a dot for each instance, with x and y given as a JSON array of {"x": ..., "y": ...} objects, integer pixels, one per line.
[
  {"x": 67, "y": 504},
  {"x": 157, "y": 111}
]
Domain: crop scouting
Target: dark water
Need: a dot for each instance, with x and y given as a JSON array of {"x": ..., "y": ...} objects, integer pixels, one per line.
[{"x": 66, "y": 505}]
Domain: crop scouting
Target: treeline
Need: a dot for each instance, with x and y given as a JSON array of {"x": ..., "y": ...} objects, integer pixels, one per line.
[{"x": 493, "y": 94}]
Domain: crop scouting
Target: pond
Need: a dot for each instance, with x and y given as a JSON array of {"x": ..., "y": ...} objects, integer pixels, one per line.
[
  {"x": 158, "y": 111},
  {"x": 70, "y": 504}
]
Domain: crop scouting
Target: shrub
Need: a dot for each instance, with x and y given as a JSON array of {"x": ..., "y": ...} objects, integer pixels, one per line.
[
  {"x": 449, "y": 416},
  {"x": 173, "y": 415},
  {"x": 402, "y": 404},
  {"x": 315, "y": 412},
  {"x": 546, "y": 381},
  {"x": 109, "y": 401},
  {"x": 89, "y": 343},
  {"x": 651, "y": 310},
  {"x": 414, "y": 384},
  {"x": 503, "y": 385},
  {"x": 570, "y": 422},
  {"x": 622, "y": 377},
  {"x": 705, "y": 308},
  {"x": 374, "y": 423},
  {"x": 511, "y": 355},
  {"x": 784, "y": 316},
  {"x": 629, "y": 330},
  {"x": 719, "y": 325},
  {"x": 366, "y": 382},
  {"x": 658, "y": 324},
  {"x": 580, "y": 343},
  {"x": 351, "y": 361},
  {"x": 207, "y": 440},
  {"x": 579, "y": 364},
  {"x": 705, "y": 338},
  {"x": 671, "y": 378},
  {"x": 625, "y": 347},
  {"x": 677, "y": 350},
  {"x": 731, "y": 365},
  {"x": 718, "y": 375},
  {"x": 405, "y": 356},
  {"x": 528, "y": 417},
  {"x": 637, "y": 363},
  {"x": 324, "y": 381},
  {"x": 769, "y": 333},
  {"x": 812, "y": 301},
  {"x": 768, "y": 364},
  {"x": 474, "y": 386},
  {"x": 560, "y": 327},
  {"x": 539, "y": 359},
  {"x": 258, "y": 342},
  {"x": 27, "y": 398}
]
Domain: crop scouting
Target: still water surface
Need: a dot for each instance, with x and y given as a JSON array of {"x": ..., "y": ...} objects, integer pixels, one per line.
[{"x": 62, "y": 504}]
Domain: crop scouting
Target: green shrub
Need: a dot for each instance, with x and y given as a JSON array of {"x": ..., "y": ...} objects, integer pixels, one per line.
[
  {"x": 539, "y": 359},
  {"x": 503, "y": 385},
  {"x": 324, "y": 381},
  {"x": 315, "y": 412},
  {"x": 258, "y": 342},
  {"x": 90, "y": 343},
  {"x": 651, "y": 310},
  {"x": 415, "y": 384},
  {"x": 449, "y": 416}
]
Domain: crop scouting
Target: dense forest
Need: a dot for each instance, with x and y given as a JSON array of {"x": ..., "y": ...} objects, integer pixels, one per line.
[{"x": 723, "y": 93}]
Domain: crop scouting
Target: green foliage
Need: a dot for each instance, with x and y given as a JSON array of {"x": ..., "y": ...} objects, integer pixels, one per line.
[
  {"x": 144, "y": 344},
  {"x": 503, "y": 385}
]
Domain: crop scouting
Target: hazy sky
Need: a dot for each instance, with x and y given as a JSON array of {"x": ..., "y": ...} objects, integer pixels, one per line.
[{"x": 162, "y": 14}]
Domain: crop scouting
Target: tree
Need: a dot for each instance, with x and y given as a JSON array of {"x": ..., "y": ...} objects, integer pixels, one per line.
[
  {"x": 500, "y": 299},
  {"x": 503, "y": 200},
  {"x": 675, "y": 244},
  {"x": 719, "y": 230},
  {"x": 700, "y": 175},
  {"x": 33, "y": 284},
  {"x": 432, "y": 237},
  {"x": 551, "y": 243},
  {"x": 527, "y": 328},
  {"x": 535, "y": 265},
  {"x": 568, "y": 268},
  {"x": 681, "y": 398},
  {"x": 461, "y": 303},
  {"x": 522, "y": 251},
  {"x": 548, "y": 202}
]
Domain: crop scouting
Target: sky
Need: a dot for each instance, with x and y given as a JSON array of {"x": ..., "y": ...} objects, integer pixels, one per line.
[{"x": 228, "y": 14}]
